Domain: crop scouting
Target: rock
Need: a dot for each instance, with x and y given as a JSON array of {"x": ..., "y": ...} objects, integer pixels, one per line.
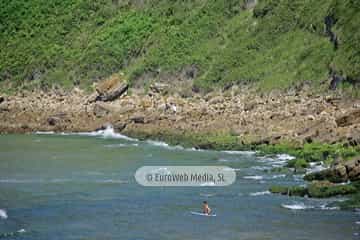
[
  {"x": 2, "y": 99},
  {"x": 325, "y": 189},
  {"x": 159, "y": 88},
  {"x": 106, "y": 85},
  {"x": 119, "y": 126},
  {"x": 138, "y": 118},
  {"x": 339, "y": 172},
  {"x": 114, "y": 93},
  {"x": 100, "y": 111},
  {"x": 92, "y": 98},
  {"x": 349, "y": 118},
  {"x": 4, "y": 107},
  {"x": 290, "y": 191},
  {"x": 248, "y": 106},
  {"x": 216, "y": 100},
  {"x": 331, "y": 174},
  {"x": 52, "y": 121},
  {"x": 56, "y": 119},
  {"x": 353, "y": 169}
]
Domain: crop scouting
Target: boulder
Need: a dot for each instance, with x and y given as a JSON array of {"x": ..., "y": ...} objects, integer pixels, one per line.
[
  {"x": 339, "y": 172},
  {"x": 119, "y": 126},
  {"x": 216, "y": 100},
  {"x": 138, "y": 118},
  {"x": 325, "y": 189},
  {"x": 335, "y": 175},
  {"x": 114, "y": 93},
  {"x": 4, "y": 107},
  {"x": 349, "y": 118},
  {"x": 100, "y": 111},
  {"x": 353, "y": 169},
  {"x": 159, "y": 88},
  {"x": 52, "y": 121},
  {"x": 56, "y": 119}
]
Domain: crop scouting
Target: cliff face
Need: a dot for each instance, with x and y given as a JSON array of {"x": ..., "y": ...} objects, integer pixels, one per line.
[{"x": 270, "y": 43}]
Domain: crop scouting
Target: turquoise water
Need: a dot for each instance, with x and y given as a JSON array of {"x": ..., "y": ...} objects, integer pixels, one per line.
[{"x": 83, "y": 187}]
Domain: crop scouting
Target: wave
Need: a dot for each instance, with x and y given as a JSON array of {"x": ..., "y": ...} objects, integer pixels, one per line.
[
  {"x": 12, "y": 234},
  {"x": 278, "y": 176},
  {"x": 164, "y": 145},
  {"x": 297, "y": 206},
  {"x": 3, "y": 214},
  {"x": 224, "y": 160},
  {"x": 256, "y": 177},
  {"x": 44, "y": 132},
  {"x": 285, "y": 157},
  {"x": 302, "y": 206},
  {"x": 119, "y": 145},
  {"x": 261, "y": 168},
  {"x": 240, "y": 152},
  {"x": 108, "y": 132},
  {"x": 316, "y": 167},
  {"x": 260, "y": 193},
  {"x": 207, "y": 194}
]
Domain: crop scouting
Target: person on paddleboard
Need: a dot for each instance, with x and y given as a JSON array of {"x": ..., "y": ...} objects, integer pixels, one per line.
[{"x": 206, "y": 208}]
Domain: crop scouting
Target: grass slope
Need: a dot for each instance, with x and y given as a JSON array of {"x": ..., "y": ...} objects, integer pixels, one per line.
[{"x": 276, "y": 45}]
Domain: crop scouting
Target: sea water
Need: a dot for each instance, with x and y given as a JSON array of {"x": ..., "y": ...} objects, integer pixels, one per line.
[{"x": 82, "y": 186}]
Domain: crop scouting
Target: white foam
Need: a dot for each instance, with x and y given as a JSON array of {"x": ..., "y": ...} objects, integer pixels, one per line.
[
  {"x": 284, "y": 157},
  {"x": 3, "y": 214},
  {"x": 296, "y": 206},
  {"x": 108, "y": 132},
  {"x": 302, "y": 206},
  {"x": 278, "y": 176},
  {"x": 164, "y": 145},
  {"x": 256, "y": 177},
  {"x": 316, "y": 167},
  {"x": 325, "y": 207},
  {"x": 223, "y": 160},
  {"x": 259, "y": 193},
  {"x": 121, "y": 145},
  {"x": 207, "y": 194},
  {"x": 44, "y": 132},
  {"x": 240, "y": 152},
  {"x": 21, "y": 231}
]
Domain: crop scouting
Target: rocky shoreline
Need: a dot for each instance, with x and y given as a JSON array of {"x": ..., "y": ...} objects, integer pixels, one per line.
[
  {"x": 314, "y": 128},
  {"x": 252, "y": 118}
]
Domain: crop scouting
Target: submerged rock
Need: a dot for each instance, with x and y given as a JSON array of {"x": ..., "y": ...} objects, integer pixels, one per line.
[
  {"x": 325, "y": 189},
  {"x": 339, "y": 172}
]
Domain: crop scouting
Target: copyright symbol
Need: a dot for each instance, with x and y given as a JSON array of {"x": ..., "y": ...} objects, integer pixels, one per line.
[{"x": 149, "y": 177}]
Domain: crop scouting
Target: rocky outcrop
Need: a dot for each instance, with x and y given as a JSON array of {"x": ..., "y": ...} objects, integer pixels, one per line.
[
  {"x": 254, "y": 119},
  {"x": 113, "y": 93},
  {"x": 338, "y": 172},
  {"x": 316, "y": 189},
  {"x": 349, "y": 118}
]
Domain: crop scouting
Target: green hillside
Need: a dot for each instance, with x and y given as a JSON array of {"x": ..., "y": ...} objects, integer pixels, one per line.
[{"x": 277, "y": 44}]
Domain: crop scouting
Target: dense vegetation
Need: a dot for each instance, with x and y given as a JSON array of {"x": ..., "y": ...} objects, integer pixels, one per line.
[{"x": 277, "y": 44}]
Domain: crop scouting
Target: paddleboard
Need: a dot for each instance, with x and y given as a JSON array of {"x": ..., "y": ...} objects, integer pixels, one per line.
[{"x": 203, "y": 214}]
